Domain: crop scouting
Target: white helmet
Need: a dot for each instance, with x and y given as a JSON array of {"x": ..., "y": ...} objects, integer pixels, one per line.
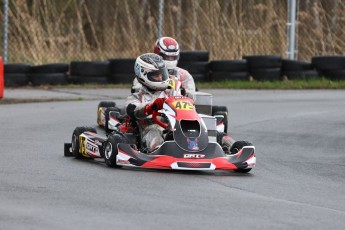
[
  {"x": 169, "y": 49},
  {"x": 151, "y": 71}
]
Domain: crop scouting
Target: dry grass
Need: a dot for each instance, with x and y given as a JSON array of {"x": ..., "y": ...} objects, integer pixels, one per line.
[{"x": 47, "y": 31}]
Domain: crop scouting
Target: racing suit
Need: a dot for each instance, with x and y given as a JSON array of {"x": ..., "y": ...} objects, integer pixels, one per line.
[
  {"x": 152, "y": 133},
  {"x": 182, "y": 75}
]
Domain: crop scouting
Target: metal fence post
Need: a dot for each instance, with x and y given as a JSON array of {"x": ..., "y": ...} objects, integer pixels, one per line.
[
  {"x": 160, "y": 18},
  {"x": 5, "y": 31},
  {"x": 291, "y": 27}
]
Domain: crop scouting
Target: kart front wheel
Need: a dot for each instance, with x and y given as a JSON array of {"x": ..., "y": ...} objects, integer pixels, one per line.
[
  {"x": 111, "y": 151},
  {"x": 76, "y": 140},
  {"x": 236, "y": 147}
]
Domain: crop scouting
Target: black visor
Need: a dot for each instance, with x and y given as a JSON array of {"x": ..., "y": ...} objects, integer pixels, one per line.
[{"x": 159, "y": 75}]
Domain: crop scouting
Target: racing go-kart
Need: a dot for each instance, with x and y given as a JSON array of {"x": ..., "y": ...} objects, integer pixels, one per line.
[{"x": 192, "y": 140}]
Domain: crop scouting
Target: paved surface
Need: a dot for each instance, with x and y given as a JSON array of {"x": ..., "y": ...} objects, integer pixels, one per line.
[
  {"x": 54, "y": 94},
  {"x": 298, "y": 182}
]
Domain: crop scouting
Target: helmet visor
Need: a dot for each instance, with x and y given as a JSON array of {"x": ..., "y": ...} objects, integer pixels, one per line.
[{"x": 159, "y": 75}]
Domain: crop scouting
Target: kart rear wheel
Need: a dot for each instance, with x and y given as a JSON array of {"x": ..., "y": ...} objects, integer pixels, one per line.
[
  {"x": 221, "y": 110},
  {"x": 111, "y": 151},
  {"x": 104, "y": 104},
  {"x": 75, "y": 140},
  {"x": 237, "y": 146},
  {"x": 107, "y": 117}
]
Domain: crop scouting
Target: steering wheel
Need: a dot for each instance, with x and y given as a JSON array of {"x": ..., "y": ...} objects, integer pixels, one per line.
[{"x": 155, "y": 115}]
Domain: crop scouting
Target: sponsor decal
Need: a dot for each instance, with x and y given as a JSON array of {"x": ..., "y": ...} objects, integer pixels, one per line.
[
  {"x": 91, "y": 147},
  {"x": 191, "y": 155},
  {"x": 193, "y": 143}
]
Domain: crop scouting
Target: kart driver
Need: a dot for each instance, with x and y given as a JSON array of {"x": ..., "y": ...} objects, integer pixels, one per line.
[
  {"x": 152, "y": 74},
  {"x": 169, "y": 50}
]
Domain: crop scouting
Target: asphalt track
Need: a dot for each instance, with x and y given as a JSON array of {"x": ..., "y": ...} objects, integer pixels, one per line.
[{"x": 298, "y": 182}]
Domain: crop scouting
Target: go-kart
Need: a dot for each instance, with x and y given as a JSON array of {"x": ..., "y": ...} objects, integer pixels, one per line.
[{"x": 191, "y": 140}]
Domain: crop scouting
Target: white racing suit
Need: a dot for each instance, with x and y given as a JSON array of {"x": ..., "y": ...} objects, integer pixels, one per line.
[
  {"x": 182, "y": 75},
  {"x": 152, "y": 133}
]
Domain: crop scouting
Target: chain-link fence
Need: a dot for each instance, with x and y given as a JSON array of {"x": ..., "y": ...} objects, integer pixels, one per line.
[{"x": 47, "y": 31}]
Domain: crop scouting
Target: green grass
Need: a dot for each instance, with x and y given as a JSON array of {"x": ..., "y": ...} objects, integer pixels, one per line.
[
  {"x": 320, "y": 83},
  {"x": 295, "y": 84}
]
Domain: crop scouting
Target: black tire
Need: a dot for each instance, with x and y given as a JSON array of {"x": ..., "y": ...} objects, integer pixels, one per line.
[
  {"x": 263, "y": 61},
  {"x": 220, "y": 136},
  {"x": 50, "y": 68},
  {"x": 195, "y": 67},
  {"x": 87, "y": 79},
  {"x": 237, "y": 146},
  {"x": 218, "y": 108},
  {"x": 192, "y": 56},
  {"x": 17, "y": 68},
  {"x": 225, "y": 121},
  {"x": 111, "y": 151},
  {"x": 89, "y": 68},
  {"x": 121, "y": 78},
  {"x": 222, "y": 110},
  {"x": 107, "y": 117},
  {"x": 335, "y": 75},
  {"x": 200, "y": 77},
  {"x": 75, "y": 140},
  {"x": 229, "y": 76},
  {"x": 266, "y": 74},
  {"x": 125, "y": 65},
  {"x": 294, "y": 66},
  {"x": 106, "y": 104},
  {"x": 48, "y": 79},
  {"x": 16, "y": 79},
  {"x": 229, "y": 66},
  {"x": 301, "y": 75},
  {"x": 327, "y": 63}
]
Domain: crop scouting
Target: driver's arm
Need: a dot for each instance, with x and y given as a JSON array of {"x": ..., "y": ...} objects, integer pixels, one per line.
[
  {"x": 135, "y": 108},
  {"x": 188, "y": 84}
]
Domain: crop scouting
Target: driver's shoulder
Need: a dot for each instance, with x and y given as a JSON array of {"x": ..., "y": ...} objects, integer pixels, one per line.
[{"x": 181, "y": 72}]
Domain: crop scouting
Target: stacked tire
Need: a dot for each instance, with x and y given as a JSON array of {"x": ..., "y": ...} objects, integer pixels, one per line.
[
  {"x": 196, "y": 63},
  {"x": 121, "y": 70},
  {"x": 16, "y": 74},
  {"x": 332, "y": 67},
  {"x": 222, "y": 70},
  {"x": 264, "y": 67},
  {"x": 82, "y": 72},
  {"x": 49, "y": 74},
  {"x": 298, "y": 70}
]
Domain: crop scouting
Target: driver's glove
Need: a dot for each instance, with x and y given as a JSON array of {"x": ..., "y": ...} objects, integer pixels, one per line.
[{"x": 154, "y": 106}]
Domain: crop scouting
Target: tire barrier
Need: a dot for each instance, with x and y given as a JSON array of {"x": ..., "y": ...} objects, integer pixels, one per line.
[
  {"x": 299, "y": 70},
  {"x": 332, "y": 67},
  {"x": 16, "y": 74},
  {"x": 49, "y": 74},
  {"x": 194, "y": 56},
  {"x": 198, "y": 69},
  {"x": 222, "y": 70},
  {"x": 121, "y": 71},
  {"x": 196, "y": 63},
  {"x": 89, "y": 72},
  {"x": 265, "y": 67}
]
